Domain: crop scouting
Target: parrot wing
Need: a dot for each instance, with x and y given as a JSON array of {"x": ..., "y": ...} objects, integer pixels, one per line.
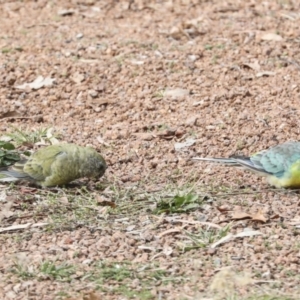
[
  {"x": 278, "y": 160},
  {"x": 39, "y": 164}
]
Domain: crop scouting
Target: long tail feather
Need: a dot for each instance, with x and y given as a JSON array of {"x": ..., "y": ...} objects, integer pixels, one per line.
[
  {"x": 226, "y": 161},
  {"x": 237, "y": 161},
  {"x": 247, "y": 163},
  {"x": 6, "y": 176}
]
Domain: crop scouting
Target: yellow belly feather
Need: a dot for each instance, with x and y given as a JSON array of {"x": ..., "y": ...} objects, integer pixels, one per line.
[{"x": 291, "y": 178}]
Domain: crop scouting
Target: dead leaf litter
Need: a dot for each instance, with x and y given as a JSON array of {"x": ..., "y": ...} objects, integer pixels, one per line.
[{"x": 151, "y": 84}]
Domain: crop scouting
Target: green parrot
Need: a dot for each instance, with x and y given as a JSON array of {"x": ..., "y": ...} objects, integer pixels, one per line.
[
  {"x": 279, "y": 164},
  {"x": 56, "y": 165}
]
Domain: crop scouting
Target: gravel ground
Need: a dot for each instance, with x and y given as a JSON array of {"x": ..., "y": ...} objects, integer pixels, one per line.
[{"x": 151, "y": 84}]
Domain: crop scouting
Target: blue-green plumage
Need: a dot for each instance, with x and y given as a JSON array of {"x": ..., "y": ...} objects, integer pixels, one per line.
[{"x": 280, "y": 164}]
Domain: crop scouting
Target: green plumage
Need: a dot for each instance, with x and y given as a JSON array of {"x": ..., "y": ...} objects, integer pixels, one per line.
[{"x": 57, "y": 165}]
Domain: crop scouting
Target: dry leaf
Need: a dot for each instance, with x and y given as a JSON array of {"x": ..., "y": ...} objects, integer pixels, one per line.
[
  {"x": 176, "y": 93},
  {"x": 227, "y": 281},
  {"x": 5, "y": 138},
  {"x": 143, "y": 247},
  {"x": 10, "y": 114},
  {"x": 167, "y": 250},
  {"x": 38, "y": 83},
  {"x": 259, "y": 217},
  {"x": 5, "y": 207},
  {"x": 90, "y": 61},
  {"x": 271, "y": 37},
  {"x": 265, "y": 73},
  {"x": 130, "y": 228},
  {"x": 101, "y": 141},
  {"x": 88, "y": 296},
  {"x": 189, "y": 142},
  {"x": 254, "y": 66},
  {"x": 240, "y": 215},
  {"x": 223, "y": 209},
  {"x": 191, "y": 121},
  {"x": 223, "y": 240},
  {"x": 20, "y": 257},
  {"x": 5, "y": 211},
  {"x": 137, "y": 62},
  {"x": 187, "y": 28},
  {"x": 93, "y": 296},
  {"x": 173, "y": 230},
  {"x": 63, "y": 200},
  {"x": 209, "y": 224},
  {"x": 145, "y": 136},
  {"x": 27, "y": 190},
  {"x": 77, "y": 77},
  {"x": 102, "y": 201},
  {"x": 276, "y": 216},
  {"x": 247, "y": 232},
  {"x": 166, "y": 133},
  {"x": 104, "y": 101},
  {"x": 22, "y": 226},
  {"x": 3, "y": 196},
  {"x": 176, "y": 32},
  {"x": 295, "y": 221},
  {"x": 66, "y": 12}
]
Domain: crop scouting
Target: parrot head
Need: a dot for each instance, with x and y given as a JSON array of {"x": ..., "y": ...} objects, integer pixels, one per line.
[
  {"x": 98, "y": 166},
  {"x": 89, "y": 163}
]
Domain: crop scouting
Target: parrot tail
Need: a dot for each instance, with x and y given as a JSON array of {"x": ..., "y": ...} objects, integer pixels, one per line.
[
  {"x": 13, "y": 173},
  {"x": 226, "y": 161},
  {"x": 5, "y": 176},
  {"x": 238, "y": 161}
]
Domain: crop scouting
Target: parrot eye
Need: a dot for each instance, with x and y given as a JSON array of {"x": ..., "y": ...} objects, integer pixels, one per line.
[
  {"x": 98, "y": 166},
  {"x": 101, "y": 167}
]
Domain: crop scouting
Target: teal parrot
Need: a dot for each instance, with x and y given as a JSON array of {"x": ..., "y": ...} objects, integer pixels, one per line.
[
  {"x": 56, "y": 165},
  {"x": 279, "y": 164}
]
